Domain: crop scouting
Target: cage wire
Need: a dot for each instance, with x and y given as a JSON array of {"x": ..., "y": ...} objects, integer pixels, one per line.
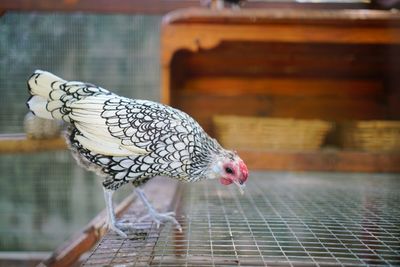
[
  {"x": 283, "y": 219},
  {"x": 45, "y": 192},
  {"x": 117, "y": 52}
]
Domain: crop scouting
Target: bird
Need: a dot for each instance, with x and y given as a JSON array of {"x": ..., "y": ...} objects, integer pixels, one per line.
[{"x": 130, "y": 141}]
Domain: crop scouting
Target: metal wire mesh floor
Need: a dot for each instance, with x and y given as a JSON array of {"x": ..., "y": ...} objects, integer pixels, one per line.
[{"x": 308, "y": 219}]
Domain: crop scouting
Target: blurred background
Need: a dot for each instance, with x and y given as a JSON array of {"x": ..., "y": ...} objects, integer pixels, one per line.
[{"x": 334, "y": 106}]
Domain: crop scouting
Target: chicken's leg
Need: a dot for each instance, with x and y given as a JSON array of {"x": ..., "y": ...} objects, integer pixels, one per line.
[
  {"x": 157, "y": 217},
  {"x": 112, "y": 223}
]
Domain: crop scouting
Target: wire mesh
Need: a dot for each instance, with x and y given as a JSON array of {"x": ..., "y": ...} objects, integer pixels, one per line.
[
  {"x": 117, "y": 52},
  {"x": 43, "y": 193},
  {"x": 308, "y": 219}
]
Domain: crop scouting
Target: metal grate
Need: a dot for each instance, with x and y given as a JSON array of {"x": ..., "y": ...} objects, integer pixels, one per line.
[{"x": 306, "y": 219}]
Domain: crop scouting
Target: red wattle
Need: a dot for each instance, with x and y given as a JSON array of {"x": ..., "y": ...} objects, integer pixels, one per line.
[{"x": 225, "y": 181}]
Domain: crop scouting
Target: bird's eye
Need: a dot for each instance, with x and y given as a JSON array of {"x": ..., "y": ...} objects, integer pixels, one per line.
[{"x": 228, "y": 170}]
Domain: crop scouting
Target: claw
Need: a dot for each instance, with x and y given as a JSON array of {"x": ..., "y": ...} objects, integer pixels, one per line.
[
  {"x": 117, "y": 230},
  {"x": 143, "y": 218},
  {"x": 125, "y": 225},
  {"x": 158, "y": 218}
]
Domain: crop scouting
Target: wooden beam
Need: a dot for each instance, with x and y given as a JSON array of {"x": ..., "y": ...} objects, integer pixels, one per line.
[
  {"x": 99, "y": 6},
  {"x": 150, "y": 6},
  {"x": 70, "y": 252},
  {"x": 258, "y": 17},
  {"x": 162, "y": 192},
  {"x": 338, "y": 161},
  {"x": 19, "y": 143},
  {"x": 22, "y": 258}
]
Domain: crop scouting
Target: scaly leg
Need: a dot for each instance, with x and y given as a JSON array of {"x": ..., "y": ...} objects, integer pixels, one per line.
[
  {"x": 112, "y": 223},
  {"x": 157, "y": 217}
]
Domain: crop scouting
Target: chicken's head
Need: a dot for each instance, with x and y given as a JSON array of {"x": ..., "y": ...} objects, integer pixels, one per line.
[{"x": 230, "y": 168}]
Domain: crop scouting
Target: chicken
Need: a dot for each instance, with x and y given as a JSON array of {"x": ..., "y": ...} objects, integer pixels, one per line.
[{"x": 130, "y": 141}]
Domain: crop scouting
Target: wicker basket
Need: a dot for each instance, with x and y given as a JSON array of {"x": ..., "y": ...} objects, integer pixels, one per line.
[
  {"x": 270, "y": 133},
  {"x": 370, "y": 135}
]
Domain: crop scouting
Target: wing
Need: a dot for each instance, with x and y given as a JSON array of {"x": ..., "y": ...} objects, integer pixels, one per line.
[
  {"x": 142, "y": 123},
  {"x": 118, "y": 126},
  {"x": 94, "y": 133}
]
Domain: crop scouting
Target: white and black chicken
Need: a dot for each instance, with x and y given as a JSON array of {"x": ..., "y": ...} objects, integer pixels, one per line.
[{"x": 130, "y": 140}]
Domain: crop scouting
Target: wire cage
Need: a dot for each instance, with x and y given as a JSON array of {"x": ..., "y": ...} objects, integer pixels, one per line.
[
  {"x": 283, "y": 219},
  {"x": 44, "y": 192}
]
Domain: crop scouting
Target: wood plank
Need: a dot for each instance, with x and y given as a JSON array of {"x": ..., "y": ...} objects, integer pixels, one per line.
[
  {"x": 334, "y": 108},
  {"x": 339, "y": 161},
  {"x": 195, "y": 34},
  {"x": 152, "y": 6},
  {"x": 101, "y": 6},
  {"x": 203, "y": 106},
  {"x": 284, "y": 86},
  {"x": 69, "y": 253},
  {"x": 22, "y": 258},
  {"x": 163, "y": 193},
  {"x": 19, "y": 143},
  {"x": 296, "y": 60},
  {"x": 197, "y": 29},
  {"x": 287, "y": 16}
]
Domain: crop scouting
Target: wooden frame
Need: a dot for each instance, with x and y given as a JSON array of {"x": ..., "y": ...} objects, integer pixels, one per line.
[
  {"x": 199, "y": 29},
  {"x": 70, "y": 252},
  {"x": 191, "y": 32},
  {"x": 19, "y": 143},
  {"x": 150, "y": 6}
]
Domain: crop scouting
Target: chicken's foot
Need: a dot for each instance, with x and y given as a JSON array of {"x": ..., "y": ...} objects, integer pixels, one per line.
[
  {"x": 157, "y": 217},
  {"x": 112, "y": 223}
]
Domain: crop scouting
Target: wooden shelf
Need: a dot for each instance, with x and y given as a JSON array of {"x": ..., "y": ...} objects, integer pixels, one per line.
[
  {"x": 19, "y": 143},
  {"x": 338, "y": 161},
  {"x": 332, "y": 160},
  {"x": 154, "y": 6},
  {"x": 333, "y": 65}
]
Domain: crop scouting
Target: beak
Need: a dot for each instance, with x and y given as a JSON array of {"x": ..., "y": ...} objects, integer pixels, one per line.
[{"x": 241, "y": 186}]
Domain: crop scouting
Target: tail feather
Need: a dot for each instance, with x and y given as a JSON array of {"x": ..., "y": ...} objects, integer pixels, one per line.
[
  {"x": 81, "y": 104},
  {"x": 51, "y": 96},
  {"x": 42, "y": 83},
  {"x": 37, "y": 105},
  {"x": 41, "y": 86}
]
